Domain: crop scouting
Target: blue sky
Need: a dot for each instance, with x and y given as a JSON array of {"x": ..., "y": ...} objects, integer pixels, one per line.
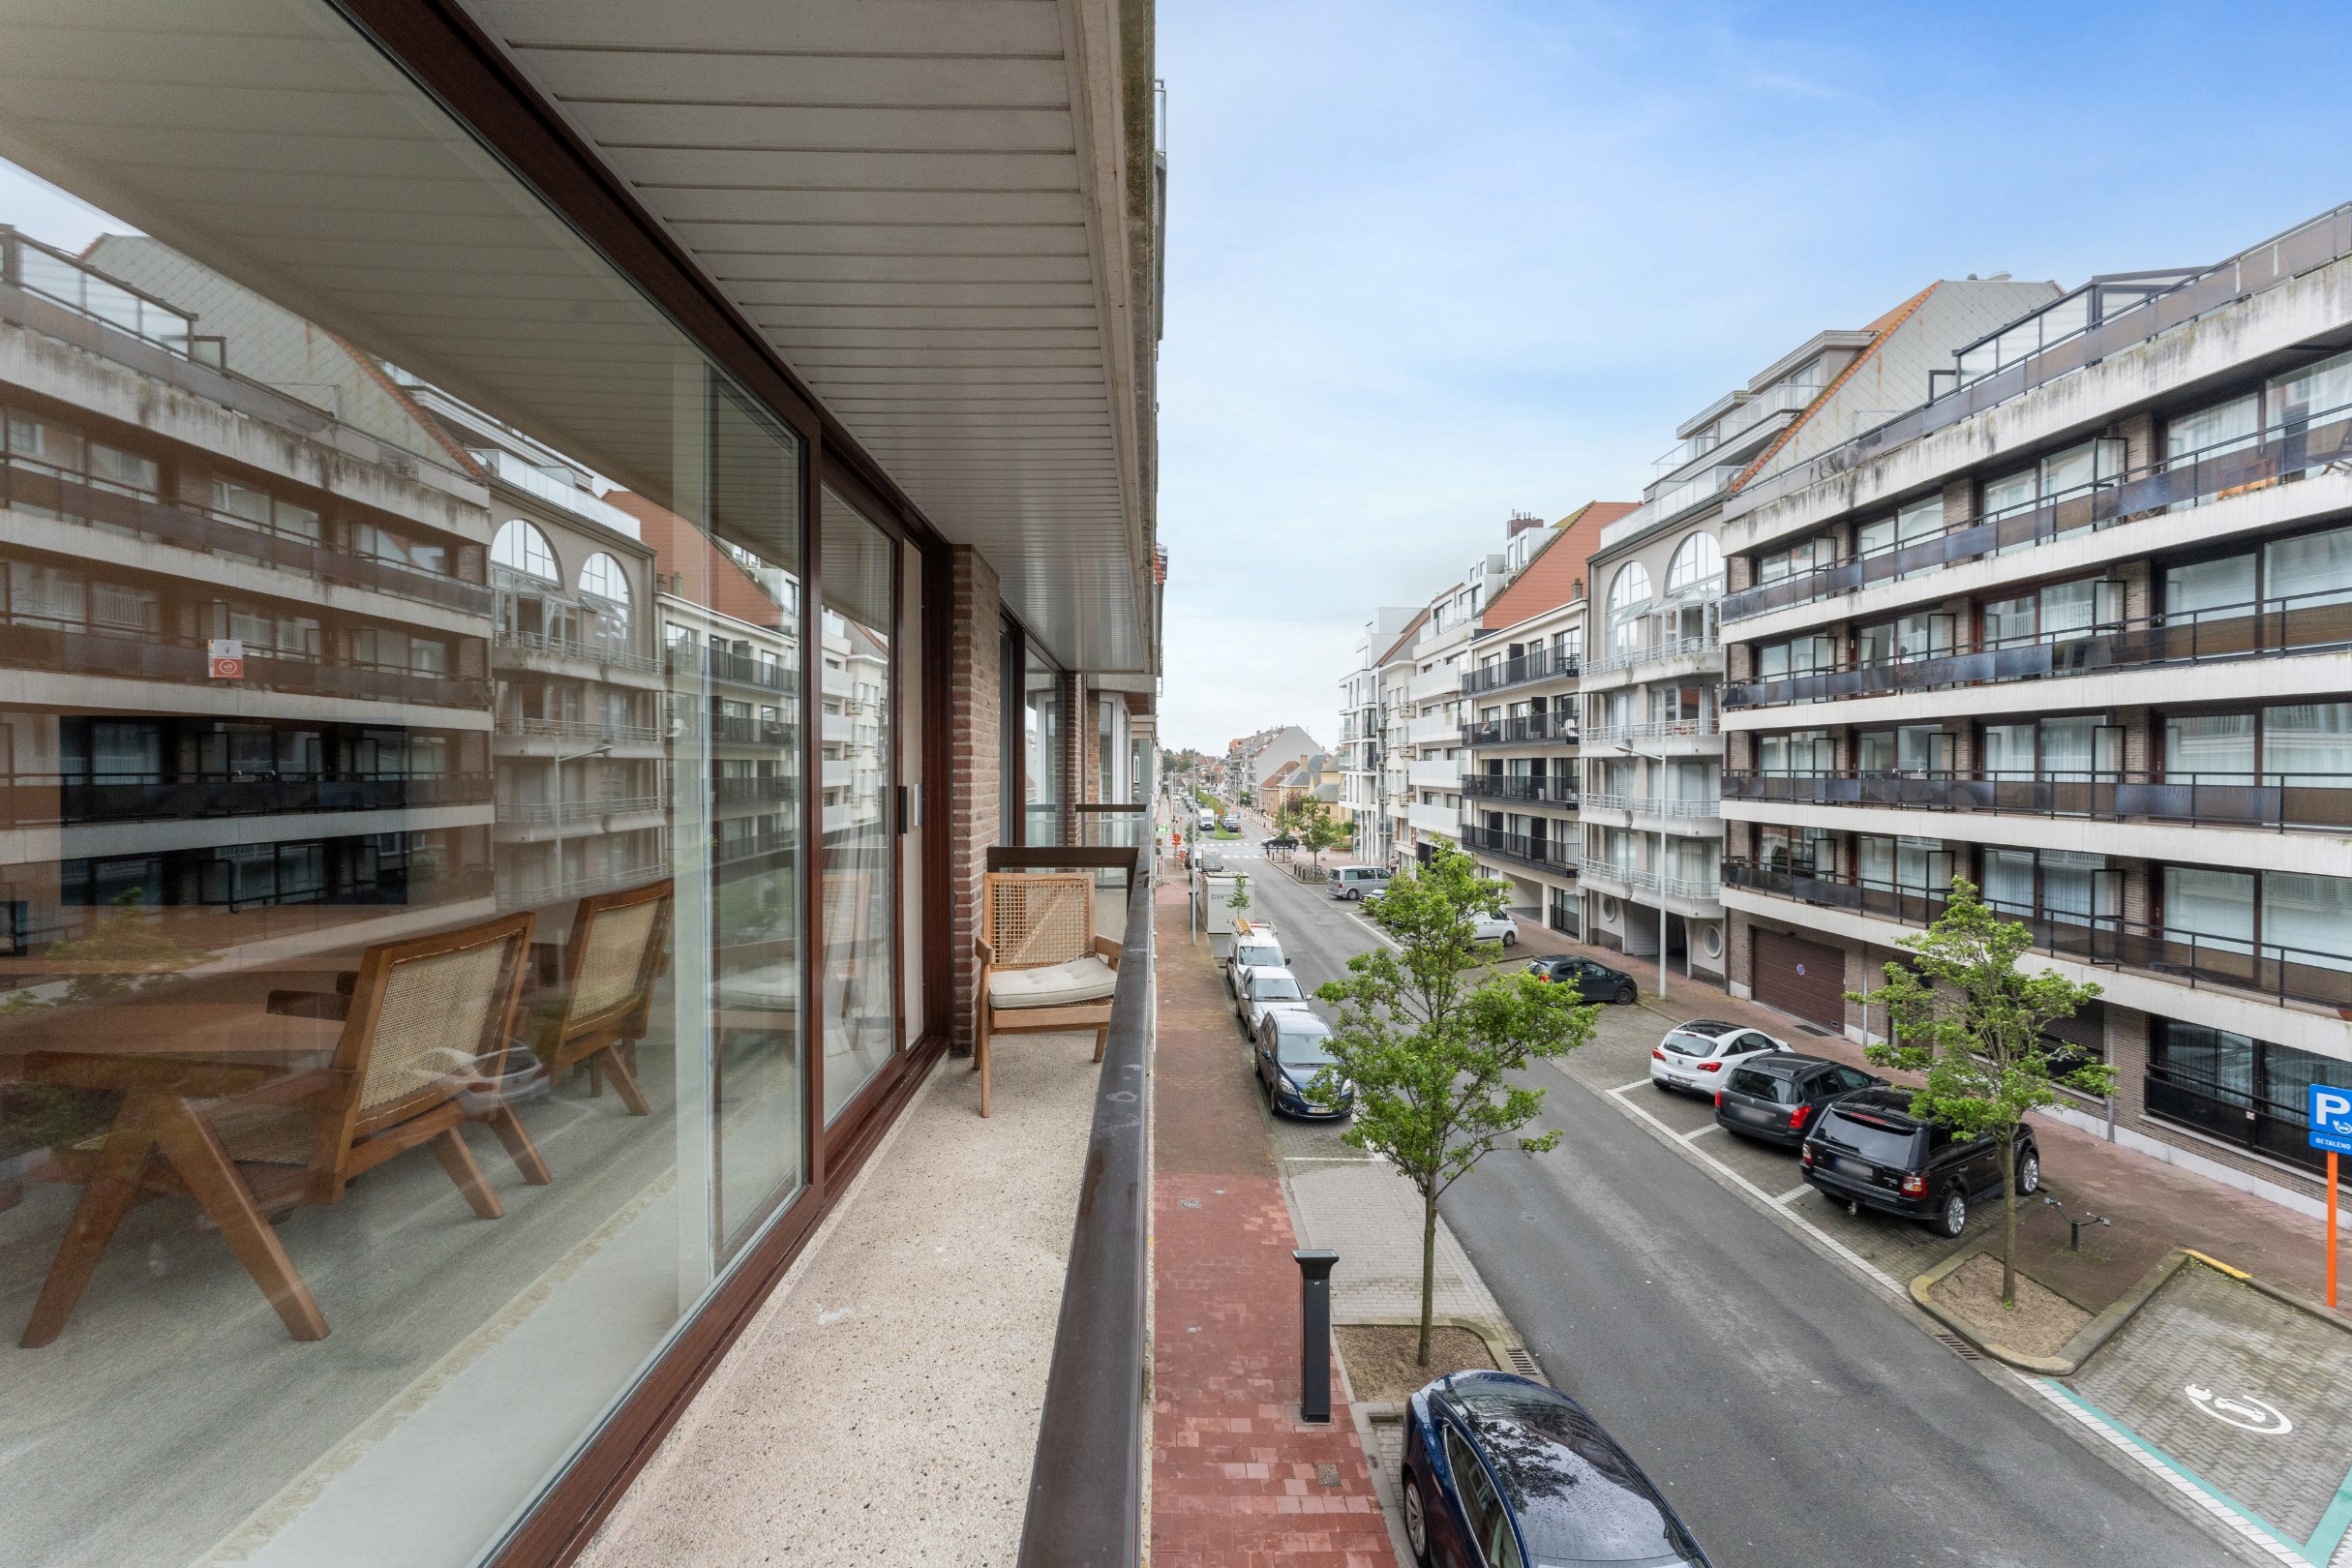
[{"x": 1432, "y": 265}]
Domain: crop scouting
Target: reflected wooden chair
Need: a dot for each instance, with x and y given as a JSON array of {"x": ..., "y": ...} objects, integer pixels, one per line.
[
  {"x": 1043, "y": 971},
  {"x": 423, "y": 1024},
  {"x": 602, "y": 1008}
]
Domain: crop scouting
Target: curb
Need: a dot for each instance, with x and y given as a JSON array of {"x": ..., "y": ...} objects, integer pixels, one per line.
[
  {"x": 1499, "y": 1337},
  {"x": 2095, "y": 1334}
]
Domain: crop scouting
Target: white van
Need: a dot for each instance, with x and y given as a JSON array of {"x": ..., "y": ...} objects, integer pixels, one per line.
[{"x": 1353, "y": 881}]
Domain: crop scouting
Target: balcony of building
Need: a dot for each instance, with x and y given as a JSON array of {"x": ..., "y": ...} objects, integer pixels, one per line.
[
  {"x": 546, "y": 821},
  {"x": 1521, "y": 670},
  {"x": 612, "y": 663},
  {"x": 1439, "y": 774},
  {"x": 1665, "y": 658},
  {"x": 1539, "y": 852},
  {"x": 1437, "y": 728},
  {"x": 1436, "y": 685},
  {"x": 1437, "y": 821},
  {"x": 1556, "y": 728},
  {"x": 1670, "y": 738},
  {"x": 1698, "y": 896},
  {"x": 1530, "y": 789}
]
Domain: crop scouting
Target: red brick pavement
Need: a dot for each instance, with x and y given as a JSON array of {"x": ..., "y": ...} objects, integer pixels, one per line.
[{"x": 1234, "y": 1471}]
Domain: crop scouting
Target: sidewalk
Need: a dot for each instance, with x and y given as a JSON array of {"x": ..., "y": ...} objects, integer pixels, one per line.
[{"x": 1237, "y": 1480}]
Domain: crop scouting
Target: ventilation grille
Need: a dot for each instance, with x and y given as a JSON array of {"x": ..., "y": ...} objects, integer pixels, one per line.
[
  {"x": 1522, "y": 1361},
  {"x": 1960, "y": 1347}
]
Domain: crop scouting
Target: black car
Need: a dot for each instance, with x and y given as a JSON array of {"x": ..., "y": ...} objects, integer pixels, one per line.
[
  {"x": 1775, "y": 1098},
  {"x": 1868, "y": 1151},
  {"x": 1595, "y": 982},
  {"x": 1500, "y": 1469},
  {"x": 1280, "y": 841}
]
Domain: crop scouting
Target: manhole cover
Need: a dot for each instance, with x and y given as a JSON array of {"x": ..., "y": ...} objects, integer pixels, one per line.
[{"x": 1327, "y": 1475}]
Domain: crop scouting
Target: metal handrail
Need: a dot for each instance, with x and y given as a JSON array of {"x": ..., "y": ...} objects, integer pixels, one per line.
[
  {"x": 1086, "y": 1479},
  {"x": 577, "y": 648},
  {"x": 2273, "y": 799},
  {"x": 1543, "y": 664}
]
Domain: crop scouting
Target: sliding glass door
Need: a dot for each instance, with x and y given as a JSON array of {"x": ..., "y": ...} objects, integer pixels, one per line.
[{"x": 860, "y": 801}]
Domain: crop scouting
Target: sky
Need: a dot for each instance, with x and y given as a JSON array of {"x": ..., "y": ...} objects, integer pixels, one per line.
[{"x": 1428, "y": 265}]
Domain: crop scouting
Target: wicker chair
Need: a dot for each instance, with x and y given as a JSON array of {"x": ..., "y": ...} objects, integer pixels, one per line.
[
  {"x": 425, "y": 1023},
  {"x": 1043, "y": 968},
  {"x": 609, "y": 965}
]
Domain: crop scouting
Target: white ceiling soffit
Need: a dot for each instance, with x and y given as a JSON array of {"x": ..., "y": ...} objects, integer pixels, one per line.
[{"x": 919, "y": 204}]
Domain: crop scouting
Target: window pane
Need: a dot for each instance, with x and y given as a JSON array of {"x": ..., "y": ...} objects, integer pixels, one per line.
[
  {"x": 2217, "y": 747},
  {"x": 2216, "y": 904},
  {"x": 2211, "y": 585},
  {"x": 2308, "y": 742},
  {"x": 2312, "y": 570},
  {"x": 860, "y": 974}
]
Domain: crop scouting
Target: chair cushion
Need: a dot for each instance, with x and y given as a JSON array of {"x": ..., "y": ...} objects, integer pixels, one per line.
[{"x": 1053, "y": 986}]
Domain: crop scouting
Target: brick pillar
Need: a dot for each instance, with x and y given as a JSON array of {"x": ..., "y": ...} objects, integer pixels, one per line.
[
  {"x": 975, "y": 671},
  {"x": 1073, "y": 764}
]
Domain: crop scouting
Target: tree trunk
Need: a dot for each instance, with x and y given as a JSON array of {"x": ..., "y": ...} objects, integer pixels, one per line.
[
  {"x": 1429, "y": 1273},
  {"x": 2008, "y": 1220}
]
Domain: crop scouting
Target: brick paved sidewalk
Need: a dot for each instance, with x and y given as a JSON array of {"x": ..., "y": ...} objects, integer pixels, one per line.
[{"x": 1237, "y": 1480}]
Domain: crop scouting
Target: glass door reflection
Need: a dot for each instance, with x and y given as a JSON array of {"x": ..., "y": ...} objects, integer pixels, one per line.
[{"x": 859, "y": 961}]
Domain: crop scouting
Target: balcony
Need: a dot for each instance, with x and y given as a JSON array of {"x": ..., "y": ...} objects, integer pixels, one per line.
[
  {"x": 1543, "y": 664},
  {"x": 588, "y": 729},
  {"x": 1443, "y": 821},
  {"x": 727, "y": 667},
  {"x": 2276, "y": 801},
  {"x": 1741, "y": 421},
  {"x": 1684, "y": 655},
  {"x": 1442, "y": 774},
  {"x": 1688, "y": 892},
  {"x": 1533, "y": 789},
  {"x": 1671, "y": 736},
  {"x": 2268, "y": 628},
  {"x": 606, "y": 657},
  {"x": 2284, "y": 454},
  {"x": 1557, "y": 856},
  {"x": 1698, "y": 488},
  {"x": 1445, "y": 680},
  {"x": 183, "y": 661},
  {"x": 2270, "y": 969},
  {"x": 44, "y": 800},
  {"x": 1528, "y": 729},
  {"x": 1432, "y": 729}
]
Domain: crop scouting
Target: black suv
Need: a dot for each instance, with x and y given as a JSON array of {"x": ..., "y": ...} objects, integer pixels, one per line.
[
  {"x": 1774, "y": 1098},
  {"x": 1595, "y": 982},
  {"x": 1868, "y": 1150}
]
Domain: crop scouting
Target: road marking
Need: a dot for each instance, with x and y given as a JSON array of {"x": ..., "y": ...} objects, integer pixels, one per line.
[
  {"x": 1793, "y": 1193},
  {"x": 1699, "y": 1132},
  {"x": 1638, "y": 1083}
]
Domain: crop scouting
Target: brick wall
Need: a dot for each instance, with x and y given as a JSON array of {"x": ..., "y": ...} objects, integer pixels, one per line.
[{"x": 974, "y": 770}]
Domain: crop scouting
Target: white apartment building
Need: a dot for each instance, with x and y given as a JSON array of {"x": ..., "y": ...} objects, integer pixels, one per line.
[
  {"x": 1363, "y": 719},
  {"x": 1653, "y": 667},
  {"x": 2078, "y": 630}
]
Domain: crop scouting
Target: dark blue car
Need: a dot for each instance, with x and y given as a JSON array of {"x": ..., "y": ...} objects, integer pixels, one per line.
[{"x": 1504, "y": 1472}]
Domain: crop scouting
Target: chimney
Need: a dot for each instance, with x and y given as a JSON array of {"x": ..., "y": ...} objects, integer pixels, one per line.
[{"x": 1520, "y": 523}]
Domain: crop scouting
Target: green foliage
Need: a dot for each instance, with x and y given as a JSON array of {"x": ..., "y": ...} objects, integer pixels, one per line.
[
  {"x": 1433, "y": 1056},
  {"x": 1317, "y": 827},
  {"x": 1961, "y": 1012}
]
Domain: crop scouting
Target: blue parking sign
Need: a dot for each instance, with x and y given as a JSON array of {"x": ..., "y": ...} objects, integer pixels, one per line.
[{"x": 2331, "y": 1119}]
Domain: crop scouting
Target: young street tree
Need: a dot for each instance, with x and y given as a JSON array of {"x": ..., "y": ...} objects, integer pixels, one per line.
[
  {"x": 1318, "y": 828},
  {"x": 1963, "y": 1014},
  {"x": 1432, "y": 1050}
]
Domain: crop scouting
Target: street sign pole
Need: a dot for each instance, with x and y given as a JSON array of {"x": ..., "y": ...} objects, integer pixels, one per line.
[
  {"x": 2331, "y": 1228},
  {"x": 2331, "y": 1130}
]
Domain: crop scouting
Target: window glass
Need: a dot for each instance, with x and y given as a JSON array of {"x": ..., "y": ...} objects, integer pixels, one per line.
[
  {"x": 2310, "y": 916},
  {"x": 859, "y": 802},
  {"x": 2323, "y": 392},
  {"x": 2208, "y": 432},
  {"x": 1698, "y": 561},
  {"x": 2009, "y": 493},
  {"x": 2307, "y": 743},
  {"x": 2227, "y": 583},
  {"x": 2217, "y": 905},
  {"x": 2216, "y": 747},
  {"x": 523, "y": 548},
  {"x": 2315, "y": 569}
]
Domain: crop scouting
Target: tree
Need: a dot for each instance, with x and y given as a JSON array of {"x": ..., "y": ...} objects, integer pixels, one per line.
[
  {"x": 1318, "y": 830},
  {"x": 1962, "y": 1013},
  {"x": 1432, "y": 1055}
]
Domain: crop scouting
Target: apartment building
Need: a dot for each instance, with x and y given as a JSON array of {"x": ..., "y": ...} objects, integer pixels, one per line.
[
  {"x": 1253, "y": 759},
  {"x": 1362, "y": 801},
  {"x": 1653, "y": 665},
  {"x": 1520, "y": 791},
  {"x": 2075, "y": 630}
]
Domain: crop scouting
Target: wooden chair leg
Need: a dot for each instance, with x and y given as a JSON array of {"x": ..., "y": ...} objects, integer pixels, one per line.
[
  {"x": 113, "y": 1187},
  {"x": 449, "y": 1148},
  {"x": 194, "y": 1151},
  {"x": 509, "y": 1128},
  {"x": 595, "y": 1078},
  {"x": 980, "y": 1055},
  {"x": 1102, "y": 1039},
  {"x": 624, "y": 1083}
]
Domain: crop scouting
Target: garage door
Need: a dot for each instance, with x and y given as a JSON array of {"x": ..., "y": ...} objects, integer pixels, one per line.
[{"x": 1803, "y": 977}]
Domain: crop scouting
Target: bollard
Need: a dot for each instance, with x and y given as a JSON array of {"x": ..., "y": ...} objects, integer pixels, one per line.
[{"x": 1314, "y": 1310}]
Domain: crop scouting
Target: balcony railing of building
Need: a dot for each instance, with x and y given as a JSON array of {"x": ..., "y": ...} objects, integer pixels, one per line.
[
  {"x": 2198, "y": 959},
  {"x": 572, "y": 811},
  {"x": 593, "y": 650},
  {"x": 1692, "y": 728},
  {"x": 1742, "y": 418},
  {"x": 148, "y": 655},
  {"x": 629, "y": 735},
  {"x": 1114, "y": 824},
  {"x": 1529, "y": 729},
  {"x": 547, "y": 889},
  {"x": 773, "y": 789},
  {"x": 49, "y": 800},
  {"x": 2234, "y": 1115},
  {"x": 2282, "y": 454},
  {"x": 1559, "y": 790},
  {"x": 54, "y": 275},
  {"x": 1680, "y": 647},
  {"x": 2275, "y": 801},
  {"x": 1703, "y": 486},
  {"x": 1541, "y": 664},
  {"x": 728, "y": 729},
  {"x": 1675, "y": 807},
  {"x": 1086, "y": 1489},
  {"x": 1543, "y": 853},
  {"x": 737, "y": 668},
  {"x": 54, "y": 494},
  {"x": 2267, "y": 629}
]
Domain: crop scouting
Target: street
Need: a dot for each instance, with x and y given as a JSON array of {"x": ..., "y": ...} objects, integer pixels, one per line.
[{"x": 1793, "y": 1414}]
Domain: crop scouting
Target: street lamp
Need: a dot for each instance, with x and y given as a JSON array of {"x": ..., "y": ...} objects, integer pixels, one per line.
[{"x": 602, "y": 749}]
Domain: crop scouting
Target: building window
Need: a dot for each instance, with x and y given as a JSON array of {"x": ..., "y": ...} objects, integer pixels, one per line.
[
  {"x": 2243, "y": 1091},
  {"x": 1698, "y": 565},
  {"x": 1564, "y": 913},
  {"x": 521, "y": 548},
  {"x": 601, "y": 577}
]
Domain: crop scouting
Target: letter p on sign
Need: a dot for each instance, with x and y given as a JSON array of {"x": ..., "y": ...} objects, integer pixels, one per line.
[{"x": 2329, "y": 1106}]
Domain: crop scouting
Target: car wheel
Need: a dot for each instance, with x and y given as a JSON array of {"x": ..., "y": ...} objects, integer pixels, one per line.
[
  {"x": 1510, "y": 939},
  {"x": 1625, "y": 996},
  {"x": 2029, "y": 1171},
  {"x": 1416, "y": 1520},
  {"x": 1952, "y": 1218}
]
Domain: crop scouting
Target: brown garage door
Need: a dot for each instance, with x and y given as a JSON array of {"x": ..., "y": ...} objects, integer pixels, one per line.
[{"x": 1803, "y": 977}]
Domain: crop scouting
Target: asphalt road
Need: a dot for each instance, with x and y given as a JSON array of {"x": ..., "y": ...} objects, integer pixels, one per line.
[{"x": 1794, "y": 1416}]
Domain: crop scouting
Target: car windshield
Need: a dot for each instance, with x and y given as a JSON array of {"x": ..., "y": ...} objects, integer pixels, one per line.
[
  {"x": 1875, "y": 1141},
  {"x": 1275, "y": 988},
  {"x": 1251, "y": 955},
  {"x": 1580, "y": 1498}
]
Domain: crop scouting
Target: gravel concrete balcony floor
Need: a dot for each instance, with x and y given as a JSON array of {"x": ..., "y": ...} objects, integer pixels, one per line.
[{"x": 884, "y": 1405}]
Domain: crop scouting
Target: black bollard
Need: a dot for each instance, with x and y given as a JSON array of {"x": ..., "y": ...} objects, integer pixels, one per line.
[{"x": 1314, "y": 1359}]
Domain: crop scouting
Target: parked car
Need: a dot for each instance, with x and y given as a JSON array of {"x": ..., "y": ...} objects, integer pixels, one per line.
[
  {"x": 1500, "y": 928},
  {"x": 1263, "y": 990},
  {"x": 1500, "y": 1469},
  {"x": 1774, "y": 1098},
  {"x": 1352, "y": 882},
  {"x": 1867, "y": 1151},
  {"x": 1212, "y": 860},
  {"x": 1250, "y": 950},
  {"x": 1595, "y": 982},
  {"x": 1697, "y": 1055},
  {"x": 1280, "y": 841},
  {"x": 1293, "y": 1047}
]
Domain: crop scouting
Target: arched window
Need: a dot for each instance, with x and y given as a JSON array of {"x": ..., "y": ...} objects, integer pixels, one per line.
[
  {"x": 1697, "y": 559},
  {"x": 1629, "y": 590},
  {"x": 521, "y": 548},
  {"x": 603, "y": 577}
]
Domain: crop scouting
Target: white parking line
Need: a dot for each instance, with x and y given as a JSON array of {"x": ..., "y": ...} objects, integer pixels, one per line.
[
  {"x": 1638, "y": 1083},
  {"x": 1699, "y": 1132},
  {"x": 1793, "y": 1193}
]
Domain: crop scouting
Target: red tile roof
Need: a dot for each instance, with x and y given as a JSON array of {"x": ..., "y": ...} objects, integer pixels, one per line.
[{"x": 1556, "y": 575}]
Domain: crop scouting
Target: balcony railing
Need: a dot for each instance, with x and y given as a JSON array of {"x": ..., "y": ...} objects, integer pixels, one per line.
[
  {"x": 1542, "y": 790},
  {"x": 627, "y": 735},
  {"x": 1695, "y": 729},
  {"x": 1698, "y": 487},
  {"x": 1680, "y": 647},
  {"x": 2195, "y": 959},
  {"x": 1533, "y": 729},
  {"x": 2233, "y": 1116},
  {"x": 38, "y": 488},
  {"x": 572, "y": 811},
  {"x": 1543, "y": 664},
  {"x": 183, "y": 661},
  {"x": 1675, "y": 808},
  {"x": 44, "y": 800},
  {"x": 1543, "y": 853},
  {"x": 611, "y": 654},
  {"x": 2268, "y": 628},
  {"x": 2280, "y": 455},
  {"x": 772, "y": 789},
  {"x": 2272, "y": 801},
  {"x": 737, "y": 668}
]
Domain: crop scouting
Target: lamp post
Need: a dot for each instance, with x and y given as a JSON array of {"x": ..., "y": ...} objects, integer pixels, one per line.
[{"x": 602, "y": 749}]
